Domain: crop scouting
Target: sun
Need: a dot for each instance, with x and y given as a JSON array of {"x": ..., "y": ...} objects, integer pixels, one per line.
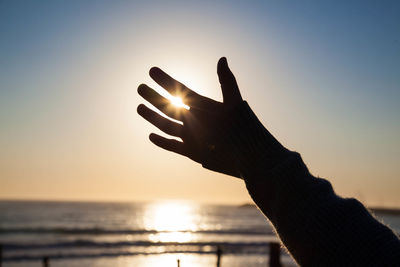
[{"x": 177, "y": 102}]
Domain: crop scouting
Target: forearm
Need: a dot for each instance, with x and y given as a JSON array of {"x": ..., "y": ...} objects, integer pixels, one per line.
[{"x": 317, "y": 226}]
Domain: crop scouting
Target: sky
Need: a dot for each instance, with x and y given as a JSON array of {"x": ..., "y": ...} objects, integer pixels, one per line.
[{"x": 322, "y": 76}]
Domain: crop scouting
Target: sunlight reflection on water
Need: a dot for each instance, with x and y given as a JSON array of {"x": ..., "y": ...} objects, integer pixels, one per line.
[
  {"x": 180, "y": 237},
  {"x": 170, "y": 216}
]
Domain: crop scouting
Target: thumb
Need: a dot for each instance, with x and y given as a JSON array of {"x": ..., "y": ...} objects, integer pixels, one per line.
[{"x": 230, "y": 89}]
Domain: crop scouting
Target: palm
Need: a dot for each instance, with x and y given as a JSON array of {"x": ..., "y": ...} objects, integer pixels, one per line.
[{"x": 199, "y": 123}]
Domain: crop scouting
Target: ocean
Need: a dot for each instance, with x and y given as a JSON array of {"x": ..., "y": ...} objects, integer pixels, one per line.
[{"x": 138, "y": 234}]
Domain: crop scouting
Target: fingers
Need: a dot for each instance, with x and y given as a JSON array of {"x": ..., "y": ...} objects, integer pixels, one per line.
[
  {"x": 230, "y": 89},
  {"x": 176, "y": 88},
  {"x": 160, "y": 102},
  {"x": 168, "y": 144},
  {"x": 170, "y": 84},
  {"x": 164, "y": 124}
]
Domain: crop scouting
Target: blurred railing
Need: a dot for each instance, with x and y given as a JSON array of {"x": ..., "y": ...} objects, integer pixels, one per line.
[{"x": 274, "y": 256}]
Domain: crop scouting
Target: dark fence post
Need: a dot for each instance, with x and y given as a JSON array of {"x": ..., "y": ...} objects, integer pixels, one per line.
[
  {"x": 219, "y": 254},
  {"x": 45, "y": 261},
  {"x": 274, "y": 254}
]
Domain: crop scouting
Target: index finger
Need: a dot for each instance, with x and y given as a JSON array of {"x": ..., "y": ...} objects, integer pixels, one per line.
[{"x": 176, "y": 88}]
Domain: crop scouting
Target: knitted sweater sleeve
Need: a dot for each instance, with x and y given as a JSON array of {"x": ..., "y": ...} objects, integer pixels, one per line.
[{"x": 318, "y": 227}]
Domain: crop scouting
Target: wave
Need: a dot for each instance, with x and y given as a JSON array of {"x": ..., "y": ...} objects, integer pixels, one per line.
[
  {"x": 89, "y": 255},
  {"x": 60, "y": 256},
  {"x": 105, "y": 231},
  {"x": 96, "y": 244},
  {"x": 61, "y": 250}
]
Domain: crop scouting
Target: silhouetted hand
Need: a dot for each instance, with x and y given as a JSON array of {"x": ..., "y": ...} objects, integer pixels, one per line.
[{"x": 198, "y": 130}]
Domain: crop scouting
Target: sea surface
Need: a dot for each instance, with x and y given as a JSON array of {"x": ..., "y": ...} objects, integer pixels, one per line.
[{"x": 138, "y": 234}]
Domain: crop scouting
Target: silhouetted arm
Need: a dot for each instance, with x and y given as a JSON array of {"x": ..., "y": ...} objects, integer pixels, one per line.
[{"x": 318, "y": 227}]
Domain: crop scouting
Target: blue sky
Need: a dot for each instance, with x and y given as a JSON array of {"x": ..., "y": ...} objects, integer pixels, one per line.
[{"x": 322, "y": 76}]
